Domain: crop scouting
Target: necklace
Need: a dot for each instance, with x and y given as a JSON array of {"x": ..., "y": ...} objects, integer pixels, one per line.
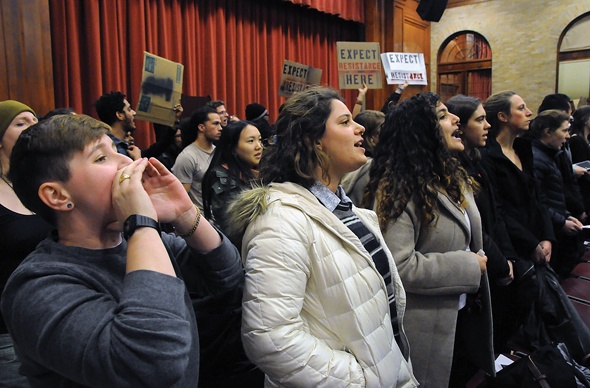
[
  {"x": 12, "y": 188},
  {"x": 6, "y": 181}
]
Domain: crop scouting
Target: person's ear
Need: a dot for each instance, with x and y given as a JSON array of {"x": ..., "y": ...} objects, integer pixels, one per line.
[
  {"x": 503, "y": 117},
  {"x": 120, "y": 115},
  {"x": 201, "y": 127},
  {"x": 546, "y": 132},
  {"x": 54, "y": 195}
]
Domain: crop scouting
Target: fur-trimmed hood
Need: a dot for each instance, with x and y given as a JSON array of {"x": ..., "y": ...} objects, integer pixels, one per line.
[{"x": 248, "y": 205}]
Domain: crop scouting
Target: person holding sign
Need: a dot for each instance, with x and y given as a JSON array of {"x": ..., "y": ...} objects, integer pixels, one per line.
[
  {"x": 394, "y": 97},
  {"x": 114, "y": 109}
]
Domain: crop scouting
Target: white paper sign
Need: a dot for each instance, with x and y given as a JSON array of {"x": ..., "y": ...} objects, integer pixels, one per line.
[{"x": 402, "y": 67}]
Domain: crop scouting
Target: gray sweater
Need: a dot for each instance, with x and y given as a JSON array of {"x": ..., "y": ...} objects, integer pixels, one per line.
[{"x": 78, "y": 320}]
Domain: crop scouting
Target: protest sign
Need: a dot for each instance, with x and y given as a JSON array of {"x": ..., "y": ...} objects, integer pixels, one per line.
[
  {"x": 359, "y": 63},
  {"x": 402, "y": 67},
  {"x": 296, "y": 77},
  {"x": 161, "y": 89}
]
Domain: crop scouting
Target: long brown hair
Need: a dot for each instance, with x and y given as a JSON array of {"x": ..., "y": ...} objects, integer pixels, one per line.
[{"x": 292, "y": 155}]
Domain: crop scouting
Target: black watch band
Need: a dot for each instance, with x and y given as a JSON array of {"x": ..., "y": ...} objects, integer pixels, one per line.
[{"x": 136, "y": 221}]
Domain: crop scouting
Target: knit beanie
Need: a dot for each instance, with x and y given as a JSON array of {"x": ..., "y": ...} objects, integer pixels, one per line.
[
  {"x": 255, "y": 111},
  {"x": 9, "y": 109}
]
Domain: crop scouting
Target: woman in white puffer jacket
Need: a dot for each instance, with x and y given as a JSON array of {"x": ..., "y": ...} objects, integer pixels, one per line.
[{"x": 323, "y": 303}]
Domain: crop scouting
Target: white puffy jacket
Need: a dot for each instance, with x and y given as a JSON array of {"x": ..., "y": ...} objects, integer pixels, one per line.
[{"x": 315, "y": 309}]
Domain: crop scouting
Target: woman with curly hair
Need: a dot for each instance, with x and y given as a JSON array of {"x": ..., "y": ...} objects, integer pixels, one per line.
[
  {"x": 323, "y": 303},
  {"x": 426, "y": 210}
]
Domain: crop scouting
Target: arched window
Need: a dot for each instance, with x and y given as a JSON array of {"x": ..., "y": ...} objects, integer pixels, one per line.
[
  {"x": 574, "y": 60},
  {"x": 465, "y": 66}
]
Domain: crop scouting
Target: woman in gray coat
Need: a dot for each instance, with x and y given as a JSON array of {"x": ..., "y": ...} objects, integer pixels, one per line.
[{"x": 426, "y": 210}]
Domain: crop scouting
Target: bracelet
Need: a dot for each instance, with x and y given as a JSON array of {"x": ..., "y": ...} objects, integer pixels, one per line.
[
  {"x": 400, "y": 90},
  {"x": 195, "y": 225},
  {"x": 359, "y": 102}
]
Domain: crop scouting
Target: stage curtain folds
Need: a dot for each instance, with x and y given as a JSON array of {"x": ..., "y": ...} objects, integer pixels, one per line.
[
  {"x": 231, "y": 49},
  {"x": 347, "y": 9}
]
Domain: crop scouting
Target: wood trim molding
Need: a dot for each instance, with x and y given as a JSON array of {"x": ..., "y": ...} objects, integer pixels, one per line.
[
  {"x": 573, "y": 55},
  {"x": 470, "y": 65},
  {"x": 460, "y": 3}
]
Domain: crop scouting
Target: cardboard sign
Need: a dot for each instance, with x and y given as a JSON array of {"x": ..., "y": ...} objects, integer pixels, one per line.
[
  {"x": 359, "y": 63},
  {"x": 402, "y": 67},
  {"x": 297, "y": 77},
  {"x": 161, "y": 89}
]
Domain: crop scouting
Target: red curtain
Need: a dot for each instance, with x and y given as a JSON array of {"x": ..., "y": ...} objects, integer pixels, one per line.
[
  {"x": 232, "y": 50},
  {"x": 347, "y": 9}
]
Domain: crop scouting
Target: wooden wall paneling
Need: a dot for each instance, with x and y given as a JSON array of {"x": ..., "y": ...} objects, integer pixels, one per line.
[
  {"x": 379, "y": 28},
  {"x": 26, "y": 54},
  {"x": 39, "y": 58},
  {"x": 15, "y": 49},
  {"x": 3, "y": 64},
  {"x": 397, "y": 27},
  {"x": 414, "y": 37}
]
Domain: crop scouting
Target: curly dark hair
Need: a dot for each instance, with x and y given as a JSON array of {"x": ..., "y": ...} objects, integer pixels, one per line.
[
  {"x": 412, "y": 162},
  {"x": 108, "y": 105},
  {"x": 292, "y": 155}
]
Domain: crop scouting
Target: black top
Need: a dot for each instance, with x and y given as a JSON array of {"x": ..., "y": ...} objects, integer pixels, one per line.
[{"x": 20, "y": 235}]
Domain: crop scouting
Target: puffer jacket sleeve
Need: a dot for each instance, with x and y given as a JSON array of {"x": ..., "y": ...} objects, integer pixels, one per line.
[{"x": 276, "y": 249}]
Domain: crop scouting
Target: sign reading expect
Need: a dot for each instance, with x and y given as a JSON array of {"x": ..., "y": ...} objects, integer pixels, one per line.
[
  {"x": 358, "y": 64},
  {"x": 297, "y": 77},
  {"x": 402, "y": 67}
]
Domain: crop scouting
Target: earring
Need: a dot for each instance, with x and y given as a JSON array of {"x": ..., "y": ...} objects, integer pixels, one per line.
[{"x": 69, "y": 206}]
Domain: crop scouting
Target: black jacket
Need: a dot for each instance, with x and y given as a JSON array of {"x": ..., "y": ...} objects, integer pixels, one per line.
[
  {"x": 581, "y": 152},
  {"x": 516, "y": 191},
  {"x": 574, "y": 202},
  {"x": 550, "y": 182},
  {"x": 497, "y": 243}
]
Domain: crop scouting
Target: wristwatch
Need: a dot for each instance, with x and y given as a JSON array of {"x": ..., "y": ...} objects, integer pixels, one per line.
[{"x": 136, "y": 221}]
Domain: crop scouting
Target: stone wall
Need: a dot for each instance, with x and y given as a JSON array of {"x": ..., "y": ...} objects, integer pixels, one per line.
[{"x": 523, "y": 35}]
